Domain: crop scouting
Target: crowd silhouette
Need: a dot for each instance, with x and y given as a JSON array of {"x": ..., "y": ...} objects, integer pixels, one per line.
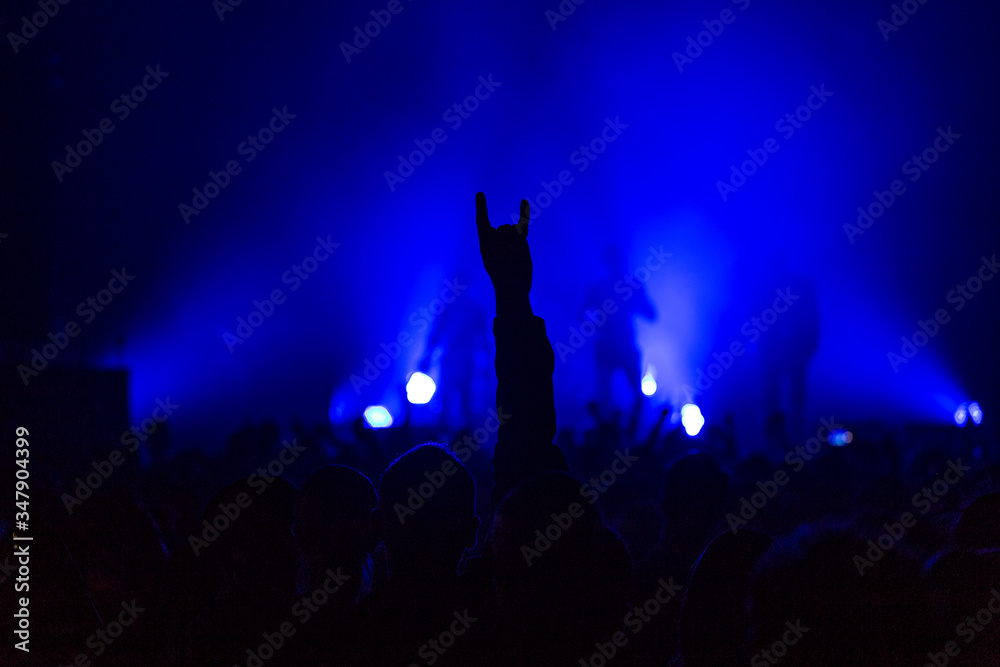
[{"x": 549, "y": 547}]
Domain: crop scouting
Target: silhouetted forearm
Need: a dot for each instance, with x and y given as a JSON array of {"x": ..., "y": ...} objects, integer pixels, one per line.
[{"x": 524, "y": 366}]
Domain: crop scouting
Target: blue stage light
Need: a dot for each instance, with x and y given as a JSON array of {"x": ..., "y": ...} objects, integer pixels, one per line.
[
  {"x": 692, "y": 419},
  {"x": 961, "y": 414},
  {"x": 378, "y": 417},
  {"x": 648, "y": 385},
  {"x": 840, "y": 437},
  {"x": 976, "y": 413},
  {"x": 420, "y": 388}
]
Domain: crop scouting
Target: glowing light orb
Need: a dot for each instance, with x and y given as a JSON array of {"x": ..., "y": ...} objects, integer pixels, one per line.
[
  {"x": 377, "y": 416},
  {"x": 975, "y": 413},
  {"x": 420, "y": 388},
  {"x": 962, "y": 414},
  {"x": 692, "y": 419}
]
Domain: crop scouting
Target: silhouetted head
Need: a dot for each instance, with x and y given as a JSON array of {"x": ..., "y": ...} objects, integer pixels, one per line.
[
  {"x": 332, "y": 521},
  {"x": 714, "y": 620},
  {"x": 696, "y": 495},
  {"x": 558, "y": 571},
  {"x": 128, "y": 553},
  {"x": 833, "y": 600},
  {"x": 247, "y": 537},
  {"x": 426, "y": 512}
]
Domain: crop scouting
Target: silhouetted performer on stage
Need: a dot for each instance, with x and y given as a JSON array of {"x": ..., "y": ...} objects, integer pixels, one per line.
[
  {"x": 614, "y": 342},
  {"x": 458, "y": 344},
  {"x": 787, "y": 346}
]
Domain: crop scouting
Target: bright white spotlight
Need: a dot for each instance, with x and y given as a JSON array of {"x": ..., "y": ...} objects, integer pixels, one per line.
[
  {"x": 420, "y": 388},
  {"x": 691, "y": 419},
  {"x": 961, "y": 414},
  {"x": 648, "y": 385},
  {"x": 378, "y": 417},
  {"x": 976, "y": 413}
]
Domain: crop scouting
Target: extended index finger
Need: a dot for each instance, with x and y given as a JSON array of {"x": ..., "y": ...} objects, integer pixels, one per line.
[
  {"x": 482, "y": 219},
  {"x": 522, "y": 223}
]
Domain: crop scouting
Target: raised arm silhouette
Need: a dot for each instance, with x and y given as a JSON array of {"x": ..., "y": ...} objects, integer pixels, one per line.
[{"x": 524, "y": 358}]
